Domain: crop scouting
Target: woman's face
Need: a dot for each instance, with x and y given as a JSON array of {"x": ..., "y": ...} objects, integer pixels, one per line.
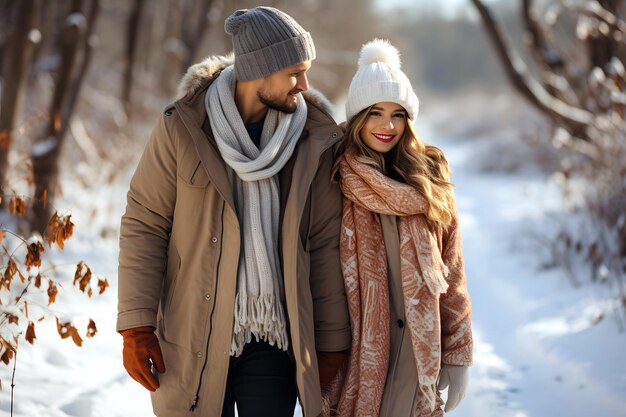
[{"x": 384, "y": 126}]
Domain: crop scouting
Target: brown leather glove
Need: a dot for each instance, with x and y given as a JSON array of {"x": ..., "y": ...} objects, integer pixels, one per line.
[
  {"x": 141, "y": 351},
  {"x": 329, "y": 364}
]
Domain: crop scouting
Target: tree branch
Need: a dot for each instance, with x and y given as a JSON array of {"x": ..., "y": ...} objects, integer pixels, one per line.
[{"x": 574, "y": 119}]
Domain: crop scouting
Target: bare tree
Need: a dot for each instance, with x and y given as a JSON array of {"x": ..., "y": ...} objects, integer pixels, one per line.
[
  {"x": 133, "y": 28},
  {"x": 77, "y": 44},
  {"x": 586, "y": 102},
  {"x": 18, "y": 50},
  {"x": 195, "y": 26}
]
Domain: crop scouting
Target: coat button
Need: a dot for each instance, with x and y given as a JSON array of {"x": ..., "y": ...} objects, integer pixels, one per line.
[
  {"x": 207, "y": 297},
  {"x": 214, "y": 239},
  {"x": 199, "y": 354},
  {"x": 400, "y": 323}
]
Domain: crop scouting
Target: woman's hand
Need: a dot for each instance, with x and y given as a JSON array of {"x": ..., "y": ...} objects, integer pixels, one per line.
[{"x": 455, "y": 378}]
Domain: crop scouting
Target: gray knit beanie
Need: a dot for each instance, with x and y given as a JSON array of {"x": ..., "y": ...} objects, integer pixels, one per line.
[
  {"x": 378, "y": 79},
  {"x": 266, "y": 40}
]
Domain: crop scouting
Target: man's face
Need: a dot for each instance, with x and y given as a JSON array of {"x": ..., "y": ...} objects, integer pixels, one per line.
[{"x": 280, "y": 89}]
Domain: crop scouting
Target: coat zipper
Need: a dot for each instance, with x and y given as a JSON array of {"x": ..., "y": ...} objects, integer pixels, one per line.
[{"x": 194, "y": 403}]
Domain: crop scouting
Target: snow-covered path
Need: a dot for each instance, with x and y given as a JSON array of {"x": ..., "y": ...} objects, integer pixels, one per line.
[{"x": 537, "y": 353}]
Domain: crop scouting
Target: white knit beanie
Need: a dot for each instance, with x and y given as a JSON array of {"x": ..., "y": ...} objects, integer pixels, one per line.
[{"x": 378, "y": 79}]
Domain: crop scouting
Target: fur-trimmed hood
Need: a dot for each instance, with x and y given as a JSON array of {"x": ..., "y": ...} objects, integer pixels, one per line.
[{"x": 200, "y": 75}]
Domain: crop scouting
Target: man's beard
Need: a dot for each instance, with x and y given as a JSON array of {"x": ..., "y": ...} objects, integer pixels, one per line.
[{"x": 283, "y": 106}]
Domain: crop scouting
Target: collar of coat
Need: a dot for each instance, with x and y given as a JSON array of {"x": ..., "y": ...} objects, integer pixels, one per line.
[
  {"x": 199, "y": 76},
  {"x": 321, "y": 131}
]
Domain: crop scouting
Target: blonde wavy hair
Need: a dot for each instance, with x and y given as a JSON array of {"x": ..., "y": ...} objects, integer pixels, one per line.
[{"x": 411, "y": 161}]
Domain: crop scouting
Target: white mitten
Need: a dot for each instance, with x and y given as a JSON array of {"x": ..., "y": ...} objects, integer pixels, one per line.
[{"x": 455, "y": 378}]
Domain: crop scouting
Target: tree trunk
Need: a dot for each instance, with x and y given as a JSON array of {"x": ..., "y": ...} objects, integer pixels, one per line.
[
  {"x": 19, "y": 48},
  {"x": 192, "y": 38},
  {"x": 173, "y": 49},
  {"x": 131, "y": 52},
  {"x": 45, "y": 155}
]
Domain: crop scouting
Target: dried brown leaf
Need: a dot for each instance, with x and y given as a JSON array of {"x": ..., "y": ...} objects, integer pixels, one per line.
[
  {"x": 52, "y": 292},
  {"x": 30, "y": 333},
  {"x": 1, "y": 231},
  {"x": 82, "y": 277},
  {"x": 33, "y": 257},
  {"x": 7, "y": 356},
  {"x": 103, "y": 284},
  {"x": 78, "y": 341},
  {"x": 8, "y": 352},
  {"x": 50, "y": 235},
  {"x": 91, "y": 328},
  {"x": 68, "y": 330},
  {"x": 59, "y": 229},
  {"x": 38, "y": 281},
  {"x": 13, "y": 318},
  {"x": 20, "y": 206},
  {"x": 9, "y": 273}
]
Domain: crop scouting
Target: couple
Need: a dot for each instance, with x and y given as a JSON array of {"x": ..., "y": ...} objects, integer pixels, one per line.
[{"x": 246, "y": 277}]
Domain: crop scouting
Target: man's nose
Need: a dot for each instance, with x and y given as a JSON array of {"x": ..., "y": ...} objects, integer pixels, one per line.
[{"x": 302, "y": 83}]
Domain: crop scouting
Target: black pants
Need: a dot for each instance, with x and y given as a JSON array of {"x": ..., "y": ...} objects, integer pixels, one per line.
[{"x": 262, "y": 381}]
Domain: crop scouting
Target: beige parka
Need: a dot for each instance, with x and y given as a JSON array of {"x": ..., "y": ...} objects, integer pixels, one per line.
[{"x": 179, "y": 252}]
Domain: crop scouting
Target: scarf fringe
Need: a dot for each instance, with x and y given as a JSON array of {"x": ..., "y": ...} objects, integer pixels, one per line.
[{"x": 262, "y": 318}]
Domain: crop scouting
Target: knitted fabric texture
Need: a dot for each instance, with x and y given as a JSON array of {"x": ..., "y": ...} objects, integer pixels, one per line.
[
  {"x": 258, "y": 307},
  {"x": 380, "y": 79},
  {"x": 358, "y": 389},
  {"x": 266, "y": 40}
]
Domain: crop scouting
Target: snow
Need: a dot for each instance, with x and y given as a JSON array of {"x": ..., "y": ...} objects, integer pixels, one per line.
[{"x": 543, "y": 348}]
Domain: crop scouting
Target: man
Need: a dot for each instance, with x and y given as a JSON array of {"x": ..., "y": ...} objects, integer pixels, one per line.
[{"x": 229, "y": 276}]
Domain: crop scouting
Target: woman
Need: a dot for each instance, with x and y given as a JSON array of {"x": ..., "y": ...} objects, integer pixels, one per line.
[{"x": 401, "y": 255}]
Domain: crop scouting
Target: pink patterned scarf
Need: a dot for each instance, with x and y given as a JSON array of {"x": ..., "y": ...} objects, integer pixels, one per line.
[{"x": 359, "y": 388}]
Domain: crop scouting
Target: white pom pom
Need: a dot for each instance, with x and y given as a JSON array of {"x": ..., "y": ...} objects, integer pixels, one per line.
[{"x": 379, "y": 50}]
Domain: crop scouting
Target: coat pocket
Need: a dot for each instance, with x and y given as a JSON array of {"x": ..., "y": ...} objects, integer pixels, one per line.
[
  {"x": 191, "y": 170},
  {"x": 171, "y": 281}
]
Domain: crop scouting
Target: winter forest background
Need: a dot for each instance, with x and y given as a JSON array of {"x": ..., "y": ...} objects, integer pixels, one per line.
[{"x": 527, "y": 98}]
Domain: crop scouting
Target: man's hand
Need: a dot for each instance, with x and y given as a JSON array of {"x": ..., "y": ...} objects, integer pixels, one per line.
[
  {"x": 455, "y": 378},
  {"x": 141, "y": 351}
]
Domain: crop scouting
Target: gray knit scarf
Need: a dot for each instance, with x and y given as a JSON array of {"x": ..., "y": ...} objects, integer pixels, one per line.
[{"x": 258, "y": 307}]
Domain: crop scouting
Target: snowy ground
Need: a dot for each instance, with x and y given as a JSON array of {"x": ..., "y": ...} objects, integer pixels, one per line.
[{"x": 538, "y": 352}]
